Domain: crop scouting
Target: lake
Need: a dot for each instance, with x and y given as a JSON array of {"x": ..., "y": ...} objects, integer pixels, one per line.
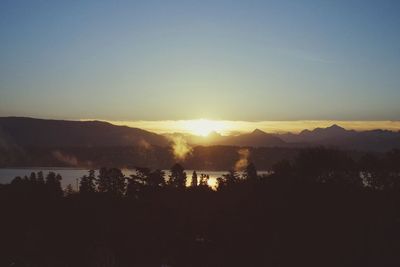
[{"x": 71, "y": 175}]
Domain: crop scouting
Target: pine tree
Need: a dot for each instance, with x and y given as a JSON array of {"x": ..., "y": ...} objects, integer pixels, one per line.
[
  {"x": 53, "y": 184},
  {"x": 111, "y": 181},
  {"x": 69, "y": 191},
  {"x": 194, "y": 179},
  {"x": 177, "y": 177},
  {"x": 87, "y": 183}
]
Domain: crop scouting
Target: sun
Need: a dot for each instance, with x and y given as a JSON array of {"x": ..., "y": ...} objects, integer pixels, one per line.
[{"x": 204, "y": 127}]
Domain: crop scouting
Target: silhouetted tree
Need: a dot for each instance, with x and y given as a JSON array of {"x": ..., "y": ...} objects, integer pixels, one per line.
[
  {"x": 228, "y": 179},
  {"x": 250, "y": 172},
  {"x": 40, "y": 178},
  {"x": 283, "y": 168},
  {"x": 392, "y": 160},
  {"x": 69, "y": 190},
  {"x": 137, "y": 181},
  {"x": 87, "y": 184},
  {"x": 142, "y": 175},
  {"x": 204, "y": 179},
  {"x": 177, "y": 177},
  {"x": 134, "y": 187},
  {"x": 103, "y": 181},
  {"x": 194, "y": 179},
  {"x": 381, "y": 172},
  {"x": 32, "y": 178},
  {"x": 53, "y": 184},
  {"x": 145, "y": 180},
  {"x": 308, "y": 208},
  {"x": 323, "y": 165},
  {"x": 372, "y": 171},
  {"x": 392, "y": 165},
  {"x": 156, "y": 179},
  {"x": 111, "y": 181},
  {"x": 17, "y": 180}
]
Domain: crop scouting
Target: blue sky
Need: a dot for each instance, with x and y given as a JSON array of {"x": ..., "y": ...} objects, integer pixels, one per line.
[{"x": 223, "y": 60}]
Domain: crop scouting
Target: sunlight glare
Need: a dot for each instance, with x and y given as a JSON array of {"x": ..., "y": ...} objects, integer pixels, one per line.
[{"x": 204, "y": 127}]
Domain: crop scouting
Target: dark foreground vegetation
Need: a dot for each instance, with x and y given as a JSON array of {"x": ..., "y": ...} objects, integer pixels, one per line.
[{"x": 321, "y": 209}]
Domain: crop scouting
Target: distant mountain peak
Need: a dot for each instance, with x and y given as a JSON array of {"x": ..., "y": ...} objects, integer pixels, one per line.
[
  {"x": 335, "y": 127},
  {"x": 331, "y": 129},
  {"x": 258, "y": 131},
  {"x": 305, "y": 131}
]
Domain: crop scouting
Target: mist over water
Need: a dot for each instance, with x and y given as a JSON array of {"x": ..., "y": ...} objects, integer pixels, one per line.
[{"x": 180, "y": 147}]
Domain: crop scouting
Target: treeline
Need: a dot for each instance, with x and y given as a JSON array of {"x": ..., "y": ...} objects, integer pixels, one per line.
[{"x": 323, "y": 208}]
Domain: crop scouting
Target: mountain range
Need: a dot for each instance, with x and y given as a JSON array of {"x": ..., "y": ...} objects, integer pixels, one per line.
[
  {"x": 336, "y": 136},
  {"x": 29, "y": 132}
]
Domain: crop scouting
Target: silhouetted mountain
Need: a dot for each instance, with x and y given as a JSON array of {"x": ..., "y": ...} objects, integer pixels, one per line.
[
  {"x": 37, "y": 142},
  {"x": 321, "y": 134},
  {"x": 257, "y": 138},
  {"x": 318, "y": 135},
  {"x": 374, "y": 140},
  {"x": 52, "y": 133}
]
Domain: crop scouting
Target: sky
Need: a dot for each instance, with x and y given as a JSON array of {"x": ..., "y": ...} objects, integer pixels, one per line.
[{"x": 183, "y": 60}]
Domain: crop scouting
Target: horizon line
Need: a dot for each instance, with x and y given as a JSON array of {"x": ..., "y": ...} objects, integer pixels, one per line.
[{"x": 231, "y": 127}]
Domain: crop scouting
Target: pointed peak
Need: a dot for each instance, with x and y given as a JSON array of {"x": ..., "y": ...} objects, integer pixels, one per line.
[
  {"x": 335, "y": 126},
  {"x": 258, "y": 131},
  {"x": 305, "y": 131}
]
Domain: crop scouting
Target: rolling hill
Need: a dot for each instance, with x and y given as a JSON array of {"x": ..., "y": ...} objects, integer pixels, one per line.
[{"x": 60, "y": 133}]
